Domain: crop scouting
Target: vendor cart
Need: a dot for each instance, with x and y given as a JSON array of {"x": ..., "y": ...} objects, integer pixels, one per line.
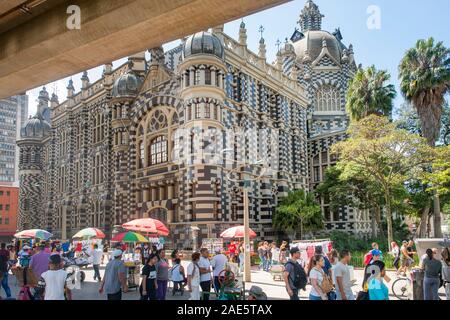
[{"x": 133, "y": 274}]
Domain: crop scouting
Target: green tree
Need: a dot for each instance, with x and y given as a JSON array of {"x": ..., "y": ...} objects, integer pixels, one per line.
[
  {"x": 419, "y": 202},
  {"x": 376, "y": 150},
  {"x": 424, "y": 74},
  {"x": 353, "y": 191},
  {"x": 298, "y": 211},
  {"x": 368, "y": 94}
]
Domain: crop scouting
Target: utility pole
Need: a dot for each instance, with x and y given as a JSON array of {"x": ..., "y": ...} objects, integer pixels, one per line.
[{"x": 247, "y": 264}]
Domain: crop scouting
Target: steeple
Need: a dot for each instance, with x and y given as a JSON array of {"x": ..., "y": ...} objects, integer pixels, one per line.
[
  {"x": 43, "y": 100},
  {"x": 70, "y": 89},
  {"x": 84, "y": 80},
  {"x": 242, "y": 34},
  {"x": 262, "y": 44},
  {"x": 310, "y": 17}
]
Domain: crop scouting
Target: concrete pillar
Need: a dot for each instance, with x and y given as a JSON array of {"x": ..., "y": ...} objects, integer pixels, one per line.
[
  {"x": 153, "y": 189},
  {"x": 64, "y": 223}
]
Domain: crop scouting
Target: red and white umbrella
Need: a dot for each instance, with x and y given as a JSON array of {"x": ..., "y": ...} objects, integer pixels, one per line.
[
  {"x": 89, "y": 233},
  {"x": 148, "y": 226},
  {"x": 237, "y": 232}
]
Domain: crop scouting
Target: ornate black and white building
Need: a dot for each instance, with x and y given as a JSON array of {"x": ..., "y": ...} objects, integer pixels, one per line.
[{"x": 174, "y": 137}]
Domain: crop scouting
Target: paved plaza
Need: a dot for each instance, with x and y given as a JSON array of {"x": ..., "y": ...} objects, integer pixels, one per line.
[{"x": 275, "y": 290}]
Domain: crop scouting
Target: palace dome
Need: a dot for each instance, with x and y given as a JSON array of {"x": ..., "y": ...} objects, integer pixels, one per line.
[
  {"x": 313, "y": 42},
  {"x": 35, "y": 127},
  {"x": 127, "y": 85},
  {"x": 203, "y": 43}
]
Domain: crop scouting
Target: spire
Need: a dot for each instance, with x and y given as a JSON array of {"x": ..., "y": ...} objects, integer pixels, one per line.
[
  {"x": 70, "y": 89},
  {"x": 310, "y": 17},
  {"x": 243, "y": 34},
  {"x": 84, "y": 80},
  {"x": 262, "y": 44}
]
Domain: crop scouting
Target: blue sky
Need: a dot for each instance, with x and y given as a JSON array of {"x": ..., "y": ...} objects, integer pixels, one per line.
[{"x": 402, "y": 23}]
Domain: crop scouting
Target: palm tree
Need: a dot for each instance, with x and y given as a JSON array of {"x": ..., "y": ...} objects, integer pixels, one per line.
[
  {"x": 368, "y": 94},
  {"x": 424, "y": 74},
  {"x": 298, "y": 212}
]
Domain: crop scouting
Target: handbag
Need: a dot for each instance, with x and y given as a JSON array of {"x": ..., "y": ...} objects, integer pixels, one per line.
[
  {"x": 327, "y": 285},
  {"x": 362, "y": 295}
]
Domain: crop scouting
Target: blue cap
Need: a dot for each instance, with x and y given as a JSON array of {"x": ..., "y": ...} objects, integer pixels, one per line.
[{"x": 376, "y": 252}]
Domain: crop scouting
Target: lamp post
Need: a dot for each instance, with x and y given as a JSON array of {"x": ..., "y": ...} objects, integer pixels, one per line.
[{"x": 247, "y": 252}]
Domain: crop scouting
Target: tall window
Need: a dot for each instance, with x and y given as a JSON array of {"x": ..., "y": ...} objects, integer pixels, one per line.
[
  {"x": 207, "y": 76},
  {"x": 158, "y": 150},
  {"x": 328, "y": 99},
  {"x": 141, "y": 155},
  {"x": 208, "y": 110},
  {"x": 198, "y": 111}
]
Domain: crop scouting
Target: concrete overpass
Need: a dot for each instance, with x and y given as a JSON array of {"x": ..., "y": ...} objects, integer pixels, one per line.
[{"x": 37, "y": 47}]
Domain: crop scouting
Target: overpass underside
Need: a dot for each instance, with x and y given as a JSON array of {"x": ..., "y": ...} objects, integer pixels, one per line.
[{"x": 45, "y": 40}]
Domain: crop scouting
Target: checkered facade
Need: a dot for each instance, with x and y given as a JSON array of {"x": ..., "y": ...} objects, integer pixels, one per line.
[{"x": 86, "y": 178}]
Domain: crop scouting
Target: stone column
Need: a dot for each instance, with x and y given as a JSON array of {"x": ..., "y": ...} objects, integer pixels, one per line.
[{"x": 64, "y": 223}]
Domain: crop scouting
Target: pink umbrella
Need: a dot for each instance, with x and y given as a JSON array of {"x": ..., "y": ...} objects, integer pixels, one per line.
[
  {"x": 237, "y": 232},
  {"x": 148, "y": 226}
]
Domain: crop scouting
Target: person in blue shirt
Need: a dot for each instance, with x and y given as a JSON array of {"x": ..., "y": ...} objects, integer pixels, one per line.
[{"x": 376, "y": 287}]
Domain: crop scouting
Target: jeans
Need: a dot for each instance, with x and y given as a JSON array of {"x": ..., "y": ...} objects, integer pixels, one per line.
[
  {"x": 97, "y": 272},
  {"x": 314, "y": 298},
  {"x": 430, "y": 288},
  {"x": 216, "y": 284},
  {"x": 206, "y": 287},
  {"x": 268, "y": 264},
  {"x": 162, "y": 289},
  {"x": 5, "y": 285},
  {"x": 294, "y": 296},
  {"x": 115, "y": 296}
]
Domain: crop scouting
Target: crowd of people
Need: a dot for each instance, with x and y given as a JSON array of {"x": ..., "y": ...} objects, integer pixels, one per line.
[{"x": 328, "y": 274}]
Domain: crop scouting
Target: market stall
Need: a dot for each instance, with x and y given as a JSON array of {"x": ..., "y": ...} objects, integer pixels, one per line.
[{"x": 133, "y": 265}]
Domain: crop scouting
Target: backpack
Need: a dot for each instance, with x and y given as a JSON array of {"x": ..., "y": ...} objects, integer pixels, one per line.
[
  {"x": 299, "y": 280},
  {"x": 367, "y": 258}
]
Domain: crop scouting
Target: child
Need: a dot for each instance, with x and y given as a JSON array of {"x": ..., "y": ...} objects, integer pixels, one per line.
[
  {"x": 53, "y": 281},
  {"x": 178, "y": 277}
]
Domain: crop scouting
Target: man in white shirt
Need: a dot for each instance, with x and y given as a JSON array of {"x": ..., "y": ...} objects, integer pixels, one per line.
[
  {"x": 205, "y": 273},
  {"x": 218, "y": 263},
  {"x": 53, "y": 282},
  {"x": 96, "y": 255},
  {"x": 342, "y": 273}
]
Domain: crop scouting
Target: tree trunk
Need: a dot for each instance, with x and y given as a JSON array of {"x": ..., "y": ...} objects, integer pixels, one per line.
[
  {"x": 424, "y": 221},
  {"x": 374, "y": 223},
  {"x": 437, "y": 216},
  {"x": 378, "y": 217},
  {"x": 390, "y": 233}
]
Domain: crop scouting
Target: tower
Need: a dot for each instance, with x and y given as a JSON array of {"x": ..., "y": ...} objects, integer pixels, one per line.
[
  {"x": 32, "y": 210},
  {"x": 202, "y": 73}
]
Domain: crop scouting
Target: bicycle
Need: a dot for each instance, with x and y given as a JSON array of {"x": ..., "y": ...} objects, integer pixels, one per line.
[{"x": 401, "y": 288}]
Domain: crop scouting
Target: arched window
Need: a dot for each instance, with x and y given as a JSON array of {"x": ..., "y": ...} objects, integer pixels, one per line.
[
  {"x": 141, "y": 155},
  {"x": 328, "y": 99},
  {"x": 158, "y": 150}
]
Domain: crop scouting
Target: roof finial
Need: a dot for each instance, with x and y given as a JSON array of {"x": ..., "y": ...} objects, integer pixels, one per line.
[
  {"x": 278, "y": 43},
  {"x": 261, "y": 31}
]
